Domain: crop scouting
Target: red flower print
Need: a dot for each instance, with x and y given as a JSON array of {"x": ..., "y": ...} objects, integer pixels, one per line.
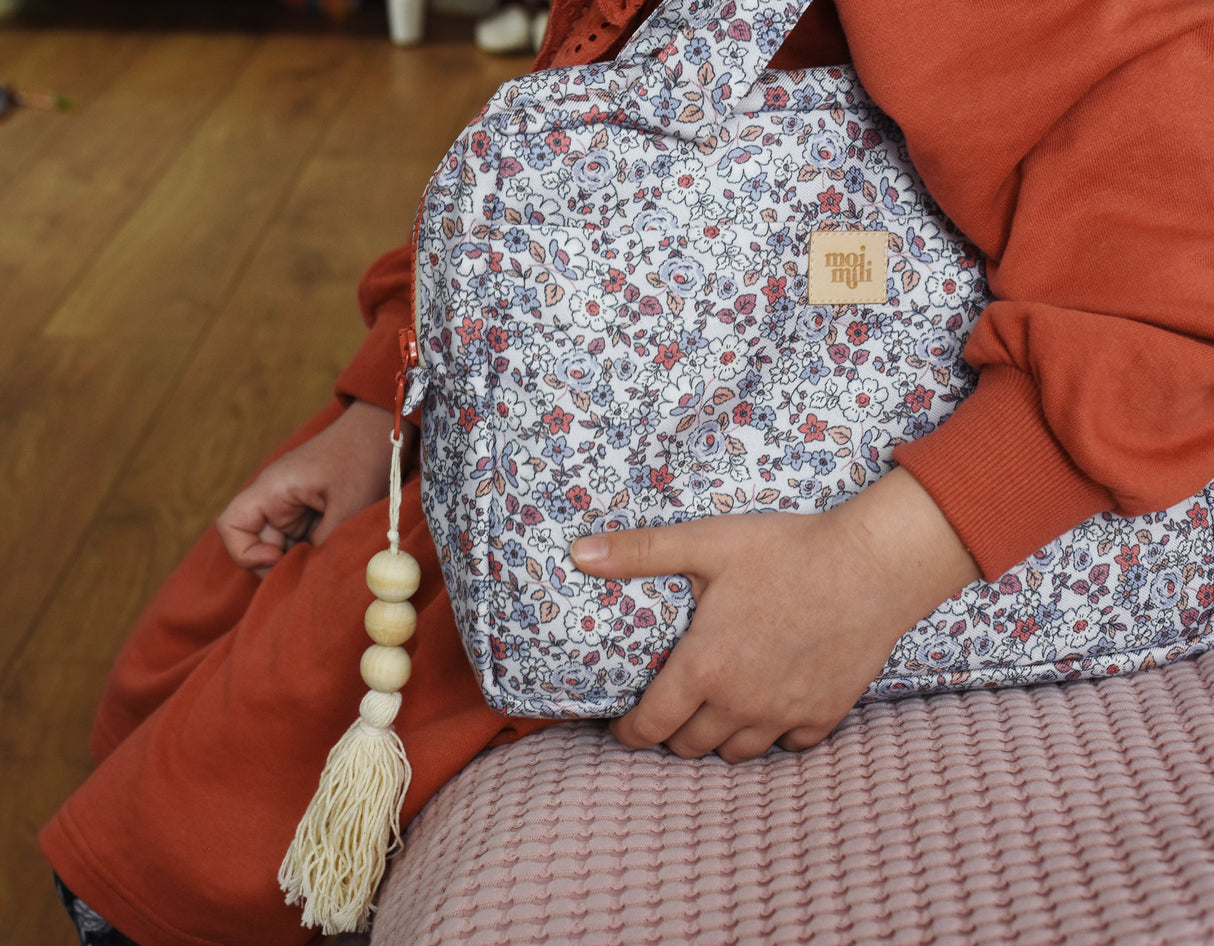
[
  {"x": 775, "y": 98},
  {"x": 1128, "y": 557},
  {"x": 498, "y": 339},
  {"x": 558, "y": 420},
  {"x": 1199, "y": 516},
  {"x": 470, "y": 329},
  {"x": 830, "y": 201},
  {"x": 775, "y": 288},
  {"x": 469, "y": 418},
  {"x": 611, "y": 593},
  {"x": 1025, "y": 628},
  {"x": 579, "y": 498},
  {"x": 660, "y": 478},
  {"x": 558, "y": 141},
  {"x": 813, "y": 429},
  {"x": 920, "y": 399},
  {"x": 615, "y": 280},
  {"x": 743, "y": 413},
  {"x": 668, "y": 354},
  {"x": 857, "y": 334}
]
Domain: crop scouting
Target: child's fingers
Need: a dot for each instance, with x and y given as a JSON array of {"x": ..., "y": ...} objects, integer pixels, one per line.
[
  {"x": 683, "y": 548},
  {"x": 666, "y": 706}
]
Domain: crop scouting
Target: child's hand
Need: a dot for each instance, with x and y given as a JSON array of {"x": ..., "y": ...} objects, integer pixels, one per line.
[
  {"x": 795, "y": 615},
  {"x": 307, "y": 493}
]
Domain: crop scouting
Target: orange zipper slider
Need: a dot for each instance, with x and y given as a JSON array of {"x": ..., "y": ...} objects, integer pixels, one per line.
[
  {"x": 410, "y": 356},
  {"x": 408, "y": 359}
]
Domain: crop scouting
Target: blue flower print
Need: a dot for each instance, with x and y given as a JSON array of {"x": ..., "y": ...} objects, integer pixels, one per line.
[
  {"x": 516, "y": 240},
  {"x": 675, "y": 588},
  {"x": 557, "y": 450},
  {"x": 889, "y": 198},
  {"x": 594, "y": 170},
  {"x": 795, "y": 455},
  {"x": 662, "y": 165},
  {"x": 770, "y": 39},
  {"x": 618, "y": 437},
  {"x": 665, "y": 105},
  {"x": 560, "y": 508},
  {"x": 525, "y": 299},
  {"x": 764, "y": 417},
  {"x": 494, "y": 208},
  {"x": 756, "y": 186},
  {"x": 937, "y": 347},
  {"x": 578, "y": 369},
  {"x": 594, "y": 74},
  {"x": 1166, "y": 588},
  {"x": 683, "y": 277},
  {"x": 821, "y": 462},
  {"x": 513, "y": 553},
  {"x": 538, "y": 153},
  {"x": 698, "y": 50},
  {"x": 827, "y": 149},
  {"x": 917, "y": 425},
  {"x": 708, "y": 442},
  {"x": 780, "y": 240},
  {"x": 814, "y": 371},
  {"x": 722, "y": 92}
]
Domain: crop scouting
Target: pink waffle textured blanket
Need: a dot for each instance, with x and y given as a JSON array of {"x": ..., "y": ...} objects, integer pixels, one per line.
[{"x": 1076, "y": 814}]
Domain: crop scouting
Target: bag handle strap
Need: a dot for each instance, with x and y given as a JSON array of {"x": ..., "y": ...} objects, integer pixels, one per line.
[{"x": 701, "y": 57}]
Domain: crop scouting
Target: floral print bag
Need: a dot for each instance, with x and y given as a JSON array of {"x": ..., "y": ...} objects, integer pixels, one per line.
[{"x": 680, "y": 285}]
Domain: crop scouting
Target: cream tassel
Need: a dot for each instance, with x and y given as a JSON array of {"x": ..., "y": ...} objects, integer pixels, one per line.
[{"x": 352, "y": 825}]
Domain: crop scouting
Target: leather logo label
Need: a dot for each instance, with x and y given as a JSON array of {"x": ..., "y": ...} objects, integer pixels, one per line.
[{"x": 847, "y": 266}]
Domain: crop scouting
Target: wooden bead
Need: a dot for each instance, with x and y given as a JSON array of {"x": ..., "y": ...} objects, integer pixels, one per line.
[
  {"x": 393, "y": 576},
  {"x": 385, "y": 669},
  {"x": 390, "y": 623}
]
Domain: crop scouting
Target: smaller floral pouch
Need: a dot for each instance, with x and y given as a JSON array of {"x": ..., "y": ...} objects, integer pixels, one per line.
[{"x": 678, "y": 285}]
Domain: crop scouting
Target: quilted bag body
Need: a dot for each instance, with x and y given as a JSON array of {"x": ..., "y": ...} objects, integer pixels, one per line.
[{"x": 679, "y": 285}]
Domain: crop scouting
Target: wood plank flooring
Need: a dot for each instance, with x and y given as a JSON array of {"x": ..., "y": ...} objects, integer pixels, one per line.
[{"x": 178, "y": 262}]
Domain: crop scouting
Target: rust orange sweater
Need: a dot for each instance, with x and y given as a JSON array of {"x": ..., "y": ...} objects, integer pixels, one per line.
[{"x": 1075, "y": 146}]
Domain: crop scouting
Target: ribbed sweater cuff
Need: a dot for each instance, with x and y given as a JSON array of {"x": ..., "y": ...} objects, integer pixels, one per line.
[{"x": 998, "y": 474}]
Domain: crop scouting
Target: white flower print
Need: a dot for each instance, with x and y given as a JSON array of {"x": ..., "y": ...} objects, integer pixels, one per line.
[
  {"x": 590, "y": 309},
  {"x": 588, "y": 623},
  {"x": 714, "y": 240},
  {"x": 727, "y": 357},
  {"x": 1079, "y": 627},
  {"x": 947, "y": 287},
  {"x": 509, "y": 409},
  {"x": 603, "y": 479}
]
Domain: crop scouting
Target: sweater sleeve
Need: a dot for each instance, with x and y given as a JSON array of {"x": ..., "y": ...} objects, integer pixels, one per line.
[
  {"x": 383, "y": 297},
  {"x": 1075, "y": 146}
]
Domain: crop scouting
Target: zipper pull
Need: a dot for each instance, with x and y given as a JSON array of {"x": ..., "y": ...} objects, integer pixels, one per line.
[
  {"x": 408, "y": 359},
  {"x": 410, "y": 355}
]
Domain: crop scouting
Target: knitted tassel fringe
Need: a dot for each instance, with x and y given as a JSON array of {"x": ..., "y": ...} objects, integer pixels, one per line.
[{"x": 336, "y": 861}]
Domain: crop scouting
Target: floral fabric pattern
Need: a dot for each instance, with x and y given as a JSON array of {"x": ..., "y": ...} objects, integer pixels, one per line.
[{"x": 617, "y": 331}]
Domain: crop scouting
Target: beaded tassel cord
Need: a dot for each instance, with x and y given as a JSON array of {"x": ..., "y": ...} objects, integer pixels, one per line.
[{"x": 352, "y": 825}]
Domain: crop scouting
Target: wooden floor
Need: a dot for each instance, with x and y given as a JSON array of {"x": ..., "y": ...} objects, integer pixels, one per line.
[{"x": 178, "y": 263}]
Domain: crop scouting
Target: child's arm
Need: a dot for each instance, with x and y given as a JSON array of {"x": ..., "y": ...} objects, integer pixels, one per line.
[
  {"x": 795, "y": 615},
  {"x": 307, "y": 493}
]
